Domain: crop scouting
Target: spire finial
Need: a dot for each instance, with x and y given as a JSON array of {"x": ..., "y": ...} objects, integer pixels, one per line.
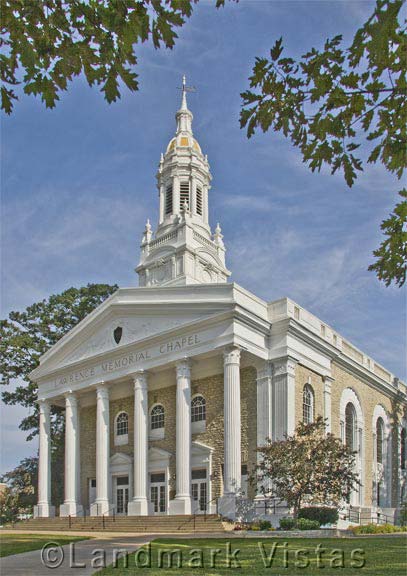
[
  {"x": 184, "y": 105},
  {"x": 185, "y": 89}
]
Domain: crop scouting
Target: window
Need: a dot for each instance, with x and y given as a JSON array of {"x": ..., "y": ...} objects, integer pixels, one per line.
[
  {"x": 403, "y": 449},
  {"x": 157, "y": 417},
  {"x": 379, "y": 440},
  {"x": 350, "y": 426},
  {"x": 184, "y": 194},
  {"x": 168, "y": 199},
  {"x": 323, "y": 331},
  {"x": 122, "y": 424},
  {"x": 121, "y": 429},
  {"x": 199, "y": 201},
  {"x": 198, "y": 409},
  {"x": 296, "y": 313},
  {"x": 308, "y": 404}
]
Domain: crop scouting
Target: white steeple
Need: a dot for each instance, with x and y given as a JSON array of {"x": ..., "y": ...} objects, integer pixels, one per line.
[{"x": 182, "y": 250}]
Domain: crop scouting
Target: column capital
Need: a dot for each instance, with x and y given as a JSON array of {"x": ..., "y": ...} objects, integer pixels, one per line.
[
  {"x": 284, "y": 365},
  {"x": 140, "y": 379},
  {"x": 102, "y": 390},
  {"x": 44, "y": 405},
  {"x": 231, "y": 355},
  {"x": 265, "y": 371},
  {"x": 71, "y": 398},
  {"x": 183, "y": 368}
]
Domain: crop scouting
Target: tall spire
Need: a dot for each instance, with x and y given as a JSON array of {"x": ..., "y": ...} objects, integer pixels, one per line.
[
  {"x": 184, "y": 115},
  {"x": 183, "y": 249},
  {"x": 184, "y": 105}
]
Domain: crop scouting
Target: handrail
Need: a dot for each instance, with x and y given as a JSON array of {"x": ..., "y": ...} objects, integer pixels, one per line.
[
  {"x": 107, "y": 514},
  {"x": 201, "y": 513}
]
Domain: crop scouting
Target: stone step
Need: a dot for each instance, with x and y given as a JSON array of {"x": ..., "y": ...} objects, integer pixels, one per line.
[{"x": 199, "y": 523}]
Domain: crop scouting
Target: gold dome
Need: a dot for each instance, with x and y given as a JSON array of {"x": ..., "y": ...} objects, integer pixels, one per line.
[{"x": 184, "y": 142}]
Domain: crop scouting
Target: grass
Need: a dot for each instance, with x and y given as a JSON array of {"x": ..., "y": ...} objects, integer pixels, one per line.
[
  {"x": 18, "y": 543},
  {"x": 381, "y": 555}
]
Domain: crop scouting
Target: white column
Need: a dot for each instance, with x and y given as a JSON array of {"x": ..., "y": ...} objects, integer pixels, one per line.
[
  {"x": 71, "y": 505},
  {"x": 284, "y": 398},
  {"x": 327, "y": 403},
  {"x": 264, "y": 415},
  {"x": 101, "y": 505},
  {"x": 139, "y": 505},
  {"x": 232, "y": 423},
  {"x": 44, "y": 508},
  {"x": 182, "y": 502}
]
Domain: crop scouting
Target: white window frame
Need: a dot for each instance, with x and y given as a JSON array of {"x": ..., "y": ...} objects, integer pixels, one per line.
[
  {"x": 199, "y": 425},
  {"x": 156, "y": 433},
  {"x": 307, "y": 388},
  {"x": 121, "y": 439}
]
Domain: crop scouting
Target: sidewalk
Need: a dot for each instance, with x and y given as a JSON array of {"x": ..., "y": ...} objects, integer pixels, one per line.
[{"x": 93, "y": 554}]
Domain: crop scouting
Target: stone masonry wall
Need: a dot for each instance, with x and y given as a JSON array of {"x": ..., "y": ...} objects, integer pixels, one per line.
[
  {"x": 369, "y": 397},
  {"x": 212, "y": 389}
]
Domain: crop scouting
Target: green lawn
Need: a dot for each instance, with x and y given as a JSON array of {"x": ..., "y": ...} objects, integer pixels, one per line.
[
  {"x": 379, "y": 556},
  {"x": 17, "y": 543}
]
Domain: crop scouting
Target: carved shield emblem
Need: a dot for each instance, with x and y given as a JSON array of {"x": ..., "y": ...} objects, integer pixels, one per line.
[{"x": 117, "y": 334}]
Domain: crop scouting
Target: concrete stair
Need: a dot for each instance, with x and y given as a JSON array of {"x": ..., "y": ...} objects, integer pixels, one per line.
[{"x": 151, "y": 524}]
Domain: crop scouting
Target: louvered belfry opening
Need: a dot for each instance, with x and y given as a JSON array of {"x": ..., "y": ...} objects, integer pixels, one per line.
[
  {"x": 199, "y": 201},
  {"x": 184, "y": 194},
  {"x": 168, "y": 200}
]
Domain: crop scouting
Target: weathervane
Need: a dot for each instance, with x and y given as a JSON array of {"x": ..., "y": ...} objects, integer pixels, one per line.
[{"x": 186, "y": 88}]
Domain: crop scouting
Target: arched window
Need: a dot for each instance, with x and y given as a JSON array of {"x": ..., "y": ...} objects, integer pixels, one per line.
[
  {"x": 403, "y": 447},
  {"x": 157, "y": 417},
  {"x": 308, "y": 404},
  {"x": 198, "y": 409},
  {"x": 379, "y": 440},
  {"x": 122, "y": 424},
  {"x": 350, "y": 426}
]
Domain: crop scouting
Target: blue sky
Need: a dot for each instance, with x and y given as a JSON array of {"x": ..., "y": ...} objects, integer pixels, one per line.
[{"x": 79, "y": 182}]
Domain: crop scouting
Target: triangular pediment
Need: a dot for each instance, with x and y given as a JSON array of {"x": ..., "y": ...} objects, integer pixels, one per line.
[
  {"x": 132, "y": 316},
  {"x": 134, "y": 328}
]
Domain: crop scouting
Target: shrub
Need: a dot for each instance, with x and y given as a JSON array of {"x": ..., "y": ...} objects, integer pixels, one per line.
[
  {"x": 305, "y": 524},
  {"x": 264, "y": 525},
  {"x": 287, "y": 523},
  {"x": 255, "y": 527},
  {"x": 377, "y": 529},
  {"x": 323, "y": 514}
]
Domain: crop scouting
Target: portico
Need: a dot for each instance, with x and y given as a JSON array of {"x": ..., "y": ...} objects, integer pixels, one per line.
[{"x": 213, "y": 346}]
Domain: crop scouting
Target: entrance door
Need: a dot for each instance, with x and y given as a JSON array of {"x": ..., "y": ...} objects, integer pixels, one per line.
[
  {"x": 158, "y": 492},
  {"x": 199, "y": 491},
  {"x": 122, "y": 494}
]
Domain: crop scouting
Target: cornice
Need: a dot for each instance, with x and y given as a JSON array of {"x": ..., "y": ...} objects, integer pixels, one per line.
[{"x": 299, "y": 331}]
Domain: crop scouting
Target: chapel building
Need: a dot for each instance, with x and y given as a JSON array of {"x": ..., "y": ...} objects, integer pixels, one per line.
[{"x": 170, "y": 387}]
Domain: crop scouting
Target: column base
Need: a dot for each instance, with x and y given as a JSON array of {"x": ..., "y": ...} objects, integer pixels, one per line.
[
  {"x": 44, "y": 511},
  {"x": 227, "y": 506},
  {"x": 100, "y": 508},
  {"x": 71, "y": 509},
  {"x": 138, "y": 508},
  {"x": 180, "y": 505}
]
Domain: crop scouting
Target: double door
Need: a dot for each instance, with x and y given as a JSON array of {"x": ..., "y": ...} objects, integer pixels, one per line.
[
  {"x": 158, "y": 492},
  {"x": 122, "y": 494},
  {"x": 199, "y": 491}
]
